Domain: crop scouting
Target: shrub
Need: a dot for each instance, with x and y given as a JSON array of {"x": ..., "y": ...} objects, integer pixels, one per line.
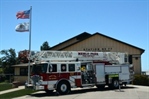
[
  {"x": 141, "y": 80},
  {"x": 2, "y": 78}
]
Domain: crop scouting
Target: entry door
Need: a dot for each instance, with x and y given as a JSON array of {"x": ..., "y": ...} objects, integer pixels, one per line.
[{"x": 100, "y": 72}]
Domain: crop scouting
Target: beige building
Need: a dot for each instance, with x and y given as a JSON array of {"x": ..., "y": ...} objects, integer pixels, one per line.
[{"x": 92, "y": 42}]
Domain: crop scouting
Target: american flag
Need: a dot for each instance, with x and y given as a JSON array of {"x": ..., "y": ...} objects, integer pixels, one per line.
[{"x": 23, "y": 14}]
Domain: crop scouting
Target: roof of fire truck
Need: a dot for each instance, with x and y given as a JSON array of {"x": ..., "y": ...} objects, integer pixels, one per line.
[{"x": 112, "y": 57}]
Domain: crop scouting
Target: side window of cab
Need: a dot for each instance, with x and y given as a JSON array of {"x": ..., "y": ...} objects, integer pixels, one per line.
[
  {"x": 71, "y": 67},
  {"x": 53, "y": 68}
]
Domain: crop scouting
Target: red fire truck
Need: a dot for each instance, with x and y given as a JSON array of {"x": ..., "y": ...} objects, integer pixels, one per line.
[{"x": 63, "y": 70}]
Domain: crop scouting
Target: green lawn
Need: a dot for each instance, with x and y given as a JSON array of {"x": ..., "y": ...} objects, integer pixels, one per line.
[
  {"x": 5, "y": 86},
  {"x": 18, "y": 93}
]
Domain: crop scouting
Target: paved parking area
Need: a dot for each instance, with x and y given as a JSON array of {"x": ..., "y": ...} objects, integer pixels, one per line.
[{"x": 129, "y": 92}]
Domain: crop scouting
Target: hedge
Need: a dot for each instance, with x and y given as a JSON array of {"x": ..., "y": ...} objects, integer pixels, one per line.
[{"x": 141, "y": 80}]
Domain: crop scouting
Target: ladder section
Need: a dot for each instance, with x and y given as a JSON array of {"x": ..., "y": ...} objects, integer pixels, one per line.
[{"x": 112, "y": 57}]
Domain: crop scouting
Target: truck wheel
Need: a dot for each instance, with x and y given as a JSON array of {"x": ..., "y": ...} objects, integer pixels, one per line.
[
  {"x": 114, "y": 84},
  {"x": 125, "y": 84},
  {"x": 63, "y": 87},
  {"x": 100, "y": 87}
]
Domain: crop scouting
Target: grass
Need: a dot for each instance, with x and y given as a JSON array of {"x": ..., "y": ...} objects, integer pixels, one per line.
[
  {"x": 5, "y": 86},
  {"x": 18, "y": 93},
  {"x": 10, "y": 95}
]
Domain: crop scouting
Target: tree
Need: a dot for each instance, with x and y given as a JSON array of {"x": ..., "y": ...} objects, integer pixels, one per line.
[
  {"x": 45, "y": 46},
  {"x": 23, "y": 56},
  {"x": 0, "y": 62},
  {"x": 7, "y": 60},
  {"x": 1, "y": 71}
]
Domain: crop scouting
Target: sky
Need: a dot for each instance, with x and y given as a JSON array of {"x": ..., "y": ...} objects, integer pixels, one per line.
[{"x": 55, "y": 21}]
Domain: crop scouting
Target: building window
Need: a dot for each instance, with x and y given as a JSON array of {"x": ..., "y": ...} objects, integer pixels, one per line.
[
  {"x": 71, "y": 67},
  {"x": 23, "y": 71},
  {"x": 63, "y": 67}
]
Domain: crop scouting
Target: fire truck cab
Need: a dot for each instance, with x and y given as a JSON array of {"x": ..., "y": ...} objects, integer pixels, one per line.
[{"x": 83, "y": 70}]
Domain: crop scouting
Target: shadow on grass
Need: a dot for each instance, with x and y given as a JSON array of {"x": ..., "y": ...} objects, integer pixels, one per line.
[{"x": 80, "y": 91}]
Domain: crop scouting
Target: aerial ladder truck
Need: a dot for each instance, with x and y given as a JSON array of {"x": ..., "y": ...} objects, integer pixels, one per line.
[{"x": 63, "y": 70}]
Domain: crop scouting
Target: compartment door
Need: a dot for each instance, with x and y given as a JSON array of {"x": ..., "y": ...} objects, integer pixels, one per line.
[{"x": 100, "y": 72}]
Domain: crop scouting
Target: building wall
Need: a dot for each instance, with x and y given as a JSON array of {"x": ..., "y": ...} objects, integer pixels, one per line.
[
  {"x": 101, "y": 43},
  {"x": 21, "y": 79},
  {"x": 137, "y": 63},
  {"x": 18, "y": 76},
  {"x": 17, "y": 70}
]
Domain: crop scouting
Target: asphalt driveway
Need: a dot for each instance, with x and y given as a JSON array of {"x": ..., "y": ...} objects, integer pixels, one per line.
[{"x": 129, "y": 92}]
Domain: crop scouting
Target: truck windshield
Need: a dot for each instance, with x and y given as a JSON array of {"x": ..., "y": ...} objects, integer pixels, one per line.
[{"x": 39, "y": 68}]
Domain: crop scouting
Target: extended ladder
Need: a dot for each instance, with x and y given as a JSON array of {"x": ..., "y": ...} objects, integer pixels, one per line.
[{"x": 112, "y": 57}]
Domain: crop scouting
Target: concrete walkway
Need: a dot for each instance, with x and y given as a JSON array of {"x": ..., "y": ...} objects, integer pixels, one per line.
[{"x": 11, "y": 90}]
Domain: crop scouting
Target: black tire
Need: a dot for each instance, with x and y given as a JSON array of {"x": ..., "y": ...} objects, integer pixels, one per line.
[
  {"x": 63, "y": 87},
  {"x": 125, "y": 84},
  {"x": 114, "y": 84},
  {"x": 100, "y": 87},
  {"x": 49, "y": 91}
]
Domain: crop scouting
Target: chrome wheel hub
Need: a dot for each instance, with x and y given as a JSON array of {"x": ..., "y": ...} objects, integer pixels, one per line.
[{"x": 63, "y": 87}]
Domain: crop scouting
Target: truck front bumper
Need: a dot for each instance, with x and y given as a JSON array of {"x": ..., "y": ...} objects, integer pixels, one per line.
[
  {"x": 35, "y": 87},
  {"x": 38, "y": 87}
]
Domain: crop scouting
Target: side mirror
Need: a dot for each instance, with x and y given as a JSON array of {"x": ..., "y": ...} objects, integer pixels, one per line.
[
  {"x": 50, "y": 68},
  {"x": 78, "y": 68}
]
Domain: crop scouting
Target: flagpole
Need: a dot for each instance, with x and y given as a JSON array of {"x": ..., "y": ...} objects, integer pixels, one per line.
[{"x": 30, "y": 17}]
